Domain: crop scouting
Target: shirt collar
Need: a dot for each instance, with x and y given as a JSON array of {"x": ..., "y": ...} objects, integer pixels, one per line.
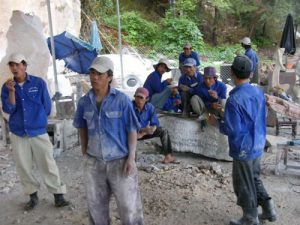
[
  {"x": 238, "y": 87},
  {"x": 146, "y": 106},
  {"x": 112, "y": 91}
]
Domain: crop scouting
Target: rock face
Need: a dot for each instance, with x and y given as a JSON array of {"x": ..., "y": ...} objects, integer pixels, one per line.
[
  {"x": 187, "y": 136},
  {"x": 26, "y": 31}
]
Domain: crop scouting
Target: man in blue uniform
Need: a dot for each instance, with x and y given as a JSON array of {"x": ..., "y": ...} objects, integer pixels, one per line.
[
  {"x": 188, "y": 53},
  {"x": 158, "y": 90},
  {"x": 188, "y": 83},
  {"x": 173, "y": 103},
  {"x": 150, "y": 126},
  {"x": 26, "y": 99},
  {"x": 210, "y": 95},
  {"x": 251, "y": 54},
  {"x": 108, "y": 133},
  {"x": 245, "y": 125}
]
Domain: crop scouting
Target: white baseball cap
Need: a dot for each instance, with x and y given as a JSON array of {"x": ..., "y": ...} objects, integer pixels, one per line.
[
  {"x": 163, "y": 61},
  {"x": 246, "y": 41},
  {"x": 102, "y": 64},
  {"x": 16, "y": 58}
]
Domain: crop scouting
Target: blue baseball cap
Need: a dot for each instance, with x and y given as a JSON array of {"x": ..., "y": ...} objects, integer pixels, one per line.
[{"x": 190, "y": 62}]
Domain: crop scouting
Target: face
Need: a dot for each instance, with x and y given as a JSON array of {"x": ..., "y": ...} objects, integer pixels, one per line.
[
  {"x": 162, "y": 68},
  {"x": 140, "y": 101},
  {"x": 187, "y": 51},
  {"x": 174, "y": 90},
  {"x": 209, "y": 81},
  {"x": 190, "y": 70},
  {"x": 99, "y": 80},
  {"x": 17, "y": 69}
]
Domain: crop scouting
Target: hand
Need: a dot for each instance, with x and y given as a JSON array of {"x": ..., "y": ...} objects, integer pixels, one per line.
[
  {"x": 213, "y": 94},
  {"x": 216, "y": 106},
  {"x": 10, "y": 84},
  {"x": 141, "y": 134},
  {"x": 184, "y": 87},
  {"x": 169, "y": 80},
  {"x": 177, "y": 102},
  {"x": 129, "y": 166},
  {"x": 150, "y": 129}
]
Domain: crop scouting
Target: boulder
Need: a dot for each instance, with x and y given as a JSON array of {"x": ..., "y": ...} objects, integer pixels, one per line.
[{"x": 186, "y": 136}]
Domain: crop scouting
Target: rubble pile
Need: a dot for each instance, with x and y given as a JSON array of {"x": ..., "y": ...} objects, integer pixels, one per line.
[{"x": 8, "y": 176}]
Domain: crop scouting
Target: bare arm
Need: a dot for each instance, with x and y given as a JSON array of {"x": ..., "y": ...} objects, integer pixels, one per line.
[
  {"x": 130, "y": 166},
  {"x": 83, "y": 139}
]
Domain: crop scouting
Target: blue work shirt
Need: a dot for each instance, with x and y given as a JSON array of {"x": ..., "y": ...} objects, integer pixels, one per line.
[
  {"x": 194, "y": 55},
  {"x": 108, "y": 128},
  {"x": 192, "y": 82},
  {"x": 147, "y": 117},
  {"x": 28, "y": 117},
  {"x": 169, "y": 105},
  {"x": 153, "y": 83},
  {"x": 245, "y": 122},
  {"x": 250, "y": 53},
  {"x": 202, "y": 92}
]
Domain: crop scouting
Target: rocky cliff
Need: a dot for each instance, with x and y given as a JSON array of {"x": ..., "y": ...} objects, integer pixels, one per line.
[{"x": 24, "y": 27}]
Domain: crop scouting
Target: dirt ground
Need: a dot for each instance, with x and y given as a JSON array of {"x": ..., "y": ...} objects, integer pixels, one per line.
[{"x": 198, "y": 191}]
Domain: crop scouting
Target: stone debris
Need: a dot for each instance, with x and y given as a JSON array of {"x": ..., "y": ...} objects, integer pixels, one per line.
[{"x": 8, "y": 176}]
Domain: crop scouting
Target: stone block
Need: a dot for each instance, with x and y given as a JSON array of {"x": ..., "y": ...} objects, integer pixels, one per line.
[{"x": 187, "y": 136}]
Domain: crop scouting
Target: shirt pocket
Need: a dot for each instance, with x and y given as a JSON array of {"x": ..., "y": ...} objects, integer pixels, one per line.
[
  {"x": 89, "y": 117},
  {"x": 113, "y": 119}
]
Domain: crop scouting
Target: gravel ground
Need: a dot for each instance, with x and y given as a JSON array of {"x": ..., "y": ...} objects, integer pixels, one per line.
[{"x": 198, "y": 191}]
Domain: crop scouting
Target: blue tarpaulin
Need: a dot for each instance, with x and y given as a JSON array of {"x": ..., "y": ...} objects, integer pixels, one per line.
[{"x": 77, "y": 54}]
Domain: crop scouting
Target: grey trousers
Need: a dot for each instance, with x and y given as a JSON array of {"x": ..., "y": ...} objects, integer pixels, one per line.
[
  {"x": 247, "y": 184},
  {"x": 198, "y": 106},
  {"x": 106, "y": 178}
]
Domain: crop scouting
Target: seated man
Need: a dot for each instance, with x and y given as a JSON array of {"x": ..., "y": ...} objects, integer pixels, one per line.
[
  {"x": 173, "y": 103},
  {"x": 158, "y": 90},
  {"x": 188, "y": 53},
  {"x": 150, "y": 128},
  {"x": 188, "y": 82},
  {"x": 210, "y": 95}
]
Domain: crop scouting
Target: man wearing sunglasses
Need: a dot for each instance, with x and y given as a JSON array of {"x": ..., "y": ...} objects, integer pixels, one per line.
[{"x": 150, "y": 126}]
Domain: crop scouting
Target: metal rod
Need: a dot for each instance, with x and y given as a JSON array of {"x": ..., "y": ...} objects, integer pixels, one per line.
[
  {"x": 52, "y": 45},
  {"x": 120, "y": 41}
]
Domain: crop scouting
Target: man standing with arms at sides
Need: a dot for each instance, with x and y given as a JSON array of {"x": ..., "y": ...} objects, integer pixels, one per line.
[
  {"x": 108, "y": 133},
  {"x": 245, "y": 125},
  {"x": 251, "y": 54},
  {"x": 26, "y": 99}
]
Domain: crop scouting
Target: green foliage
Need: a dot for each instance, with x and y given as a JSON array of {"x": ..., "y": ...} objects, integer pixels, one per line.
[
  {"x": 175, "y": 32},
  {"x": 224, "y": 53},
  {"x": 136, "y": 30}
]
